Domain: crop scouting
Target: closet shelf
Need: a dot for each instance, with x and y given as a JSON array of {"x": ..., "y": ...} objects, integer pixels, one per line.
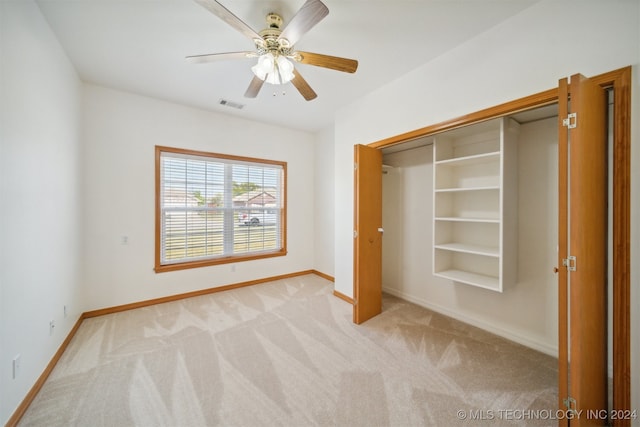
[
  {"x": 470, "y": 249},
  {"x": 470, "y": 160},
  {"x": 475, "y": 204},
  {"x": 463, "y": 219},
  {"x": 459, "y": 189},
  {"x": 480, "y": 280}
]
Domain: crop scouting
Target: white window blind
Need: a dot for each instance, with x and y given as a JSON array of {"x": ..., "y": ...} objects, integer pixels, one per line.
[{"x": 215, "y": 207}]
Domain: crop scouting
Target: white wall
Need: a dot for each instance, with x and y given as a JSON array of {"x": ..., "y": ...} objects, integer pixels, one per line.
[
  {"x": 524, "y": 55},
  {"x": 120, "y": 132},
  {"x": 323, "y": 200},
  {"x": 526, "y": 311},
  {"x": 40, "y": 197},
  {"x": 406, "y": 218}
]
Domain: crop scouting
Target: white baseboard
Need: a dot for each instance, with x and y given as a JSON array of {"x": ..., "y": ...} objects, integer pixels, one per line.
[{"x": 500, "y": 331}]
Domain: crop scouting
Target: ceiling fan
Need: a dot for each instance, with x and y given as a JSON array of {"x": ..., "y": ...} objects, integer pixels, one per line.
[{"x": 274, "y": 48}]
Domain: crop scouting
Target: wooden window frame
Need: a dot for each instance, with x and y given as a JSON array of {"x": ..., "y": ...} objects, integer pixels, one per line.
[{"x": 249, "y": 256}]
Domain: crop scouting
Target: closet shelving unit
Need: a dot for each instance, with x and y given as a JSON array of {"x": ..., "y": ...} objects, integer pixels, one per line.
[{"x": 475, "y": 204}]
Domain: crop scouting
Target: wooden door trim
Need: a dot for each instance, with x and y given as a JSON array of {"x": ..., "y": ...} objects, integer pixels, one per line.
[
  {"x": 547, "y": 97},
  {"x": 622, "y": 244},
  {"x": 620, "y": 81}
]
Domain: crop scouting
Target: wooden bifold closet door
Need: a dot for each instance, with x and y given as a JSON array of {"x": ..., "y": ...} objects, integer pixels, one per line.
[
  {"x": 582, "y": 251},
  {"x": 367, "y": 287}
]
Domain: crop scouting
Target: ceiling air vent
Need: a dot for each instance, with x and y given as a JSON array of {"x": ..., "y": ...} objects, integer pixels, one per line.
[{"x": 231, "y": 104}]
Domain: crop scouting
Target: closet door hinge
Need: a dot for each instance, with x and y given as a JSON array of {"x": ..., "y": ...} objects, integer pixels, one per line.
[
  {"x": 355, "y": 234},
  {"x": 570, "y": 263},
  {"x": 571, "y": 121},
  {"x": 570, "y": 404},
  {"x": 355, "y": 166}
]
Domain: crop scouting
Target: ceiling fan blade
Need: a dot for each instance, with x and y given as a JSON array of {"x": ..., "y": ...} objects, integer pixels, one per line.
[
  {"x": 254, "y": 87},
  {"x": 327, "y": 61},
  {"x": 212, "y": 57},
  {"x": 312, "y": 12},
  {"x": 303, "y": 87},
  {"x": 223, "y": 13}
]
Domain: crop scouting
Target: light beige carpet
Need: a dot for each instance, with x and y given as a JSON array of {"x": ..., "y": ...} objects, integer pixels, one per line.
[{"x": 286, "y": 353}]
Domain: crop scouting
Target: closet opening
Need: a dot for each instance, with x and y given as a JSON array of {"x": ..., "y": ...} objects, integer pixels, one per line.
[
  {"x": 417, "y": 243},
  {"x": 470, "y": 226},
  {"x": 410, "y": 155}
]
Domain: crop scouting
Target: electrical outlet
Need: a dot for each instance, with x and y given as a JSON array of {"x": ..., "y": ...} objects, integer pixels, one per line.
[
  {"x": 52, "y": 325},
  {"x": 16, "y": 366}
]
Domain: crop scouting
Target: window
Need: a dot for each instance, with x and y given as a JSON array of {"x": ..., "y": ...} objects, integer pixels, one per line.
[{"x": 214, "y": 208}]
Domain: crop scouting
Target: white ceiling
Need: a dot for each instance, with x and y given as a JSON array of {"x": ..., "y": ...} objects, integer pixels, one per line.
[{"x": 139, "y": 46}]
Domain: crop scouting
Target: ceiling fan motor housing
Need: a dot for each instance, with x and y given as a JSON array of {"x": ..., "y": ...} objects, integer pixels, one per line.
[
  {"x": 274, "y": 20},
  {"x": 270, "y": 37},
  {"x": 273, "y": 31}
]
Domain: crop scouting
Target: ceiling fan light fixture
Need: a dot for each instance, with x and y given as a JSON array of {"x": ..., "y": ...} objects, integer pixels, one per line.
[{"x": 273, "y": 69}]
